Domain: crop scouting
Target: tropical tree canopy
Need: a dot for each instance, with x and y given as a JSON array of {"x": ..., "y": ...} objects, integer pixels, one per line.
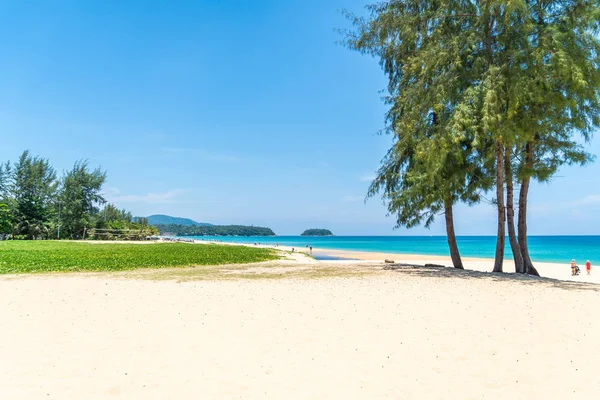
[
  {"x": 480, "y": 94},
  {"x": 80, "y": 198},
  {"x": 34, "y": 188},
  {"x": 35, "y": 204}
]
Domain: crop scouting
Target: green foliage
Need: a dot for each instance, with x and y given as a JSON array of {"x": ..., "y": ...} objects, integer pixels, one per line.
[
  {"x": 110, "y": 213},
  {"x": 110, "y": 223},
  {"x": 5, "y": 174},
  {"x": 481, "y": 92},
  {"x": 215, "y": 230},
  {"x": 537, "y": 80},
  {"x": 33, "y": 186},
  {"x": 80, "y": 197},
  {"x": 5, "y": 219},
  {"x": 36, "y": 205},
  {"x": 6, "y": 202},
  {"x": 317, "y": 232},
  {"x": 425, "y": 51},
  {"x": 463, "y": 75},
  {"x": 141, "y": 221},
  {"x": 122, "y": 230},
  {"x": 558, "y": 91},
  {"x": 50, "y": 256}
]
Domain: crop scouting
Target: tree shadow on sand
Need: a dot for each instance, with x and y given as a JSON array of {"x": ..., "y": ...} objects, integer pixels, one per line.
[{"x": 447, "y": 272}]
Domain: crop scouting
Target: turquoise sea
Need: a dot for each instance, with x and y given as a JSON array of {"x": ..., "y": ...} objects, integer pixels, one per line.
[{"x": 558, "y": 249}]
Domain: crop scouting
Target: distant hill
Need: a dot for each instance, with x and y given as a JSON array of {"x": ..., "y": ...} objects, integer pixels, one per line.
[
  {"x": 160, "y": 219},
  {"x": 215, "y": 230},
  {"x": 317, "y": 232}
]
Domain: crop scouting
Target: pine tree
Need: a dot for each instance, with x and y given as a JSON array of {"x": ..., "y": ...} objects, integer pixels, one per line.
[
  {"x": 80, "y": 198},
  {"x": 33, "y": 186},
  {"x": 559, "y": 90},
  {"x": 423, "y": 50},
  {"x": 542, "y": 87},
  {"x": 503, "y": 81}
]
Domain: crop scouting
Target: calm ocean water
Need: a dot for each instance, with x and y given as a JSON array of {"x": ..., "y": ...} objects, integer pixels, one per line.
[{"x": 559, "y": 249}]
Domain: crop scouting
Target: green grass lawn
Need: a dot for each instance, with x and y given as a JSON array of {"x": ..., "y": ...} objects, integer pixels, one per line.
[{"x": 51, "y": 256}]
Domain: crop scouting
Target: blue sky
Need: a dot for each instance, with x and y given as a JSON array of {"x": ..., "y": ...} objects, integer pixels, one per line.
[{"x": 226, "y": 112}]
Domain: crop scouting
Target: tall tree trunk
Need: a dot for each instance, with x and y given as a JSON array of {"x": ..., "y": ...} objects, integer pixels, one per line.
[
  {"x": 510, "y": 214},
  {"x": 522, "y": 223},
  {"x": 500, "y": 199},
  {"x": 454, "y": 253}
]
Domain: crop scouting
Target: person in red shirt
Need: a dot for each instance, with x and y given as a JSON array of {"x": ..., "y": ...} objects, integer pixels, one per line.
[{"x": 588, "y": 267}]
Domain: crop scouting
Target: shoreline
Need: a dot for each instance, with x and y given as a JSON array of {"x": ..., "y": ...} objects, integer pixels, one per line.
[
  {"x": 347, "y": 327},
  {"x": 412, "y": 333},
  {"x": 430, "y": 250},
  {"x": 546, "y": 269}
]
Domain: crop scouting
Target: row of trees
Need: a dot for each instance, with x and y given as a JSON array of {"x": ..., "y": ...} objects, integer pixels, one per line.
[
  {"x": 215, "y": 230},
  {"x": 317, "y": 232},
  {"x": 36, "y": 204},
  {"x": 484, "y": 95}
]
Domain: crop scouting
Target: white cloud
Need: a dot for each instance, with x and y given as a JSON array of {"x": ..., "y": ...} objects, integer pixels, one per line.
[
  {"x": 167, "y": 197},
  {"x": 367, "y": 178},
  {"x": 111, "y": 191},
  {"x": 324, "y": 164},
  {"x": 540, "y": 210},
  {"x": 548, "y": 209},
  {"x": 352, "y": 199},
  {"x": 592, "y": 199}
]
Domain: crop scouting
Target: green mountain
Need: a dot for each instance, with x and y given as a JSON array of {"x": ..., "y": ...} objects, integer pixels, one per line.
[{"x": 160, "y": 219}]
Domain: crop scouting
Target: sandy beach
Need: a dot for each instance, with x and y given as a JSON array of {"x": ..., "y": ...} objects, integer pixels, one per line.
[
  {"x": 546, "y": 269},
  {"x": 288, "y": 331}
]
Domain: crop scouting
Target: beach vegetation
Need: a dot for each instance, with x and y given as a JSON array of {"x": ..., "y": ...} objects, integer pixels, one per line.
[
  {"x": 5, "y": 219},
  {"x": 111, "y": 223},
  {"x": 430, "y": 166},
  {"x": 4, "y": 181},
  {"x": 33, "y": 184},
  {"x": 482, "y": 94},
  {"x": 80, "y": 197},
  {"x": 559, "y": 97},
  {"x": 70, "y": 256},
  {"x": 37, "y": 204}
]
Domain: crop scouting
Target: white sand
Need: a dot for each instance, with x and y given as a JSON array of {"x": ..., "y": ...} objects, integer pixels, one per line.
[
  {"x": 410, "y": 334},
  {"x": 545, "y": 269}
]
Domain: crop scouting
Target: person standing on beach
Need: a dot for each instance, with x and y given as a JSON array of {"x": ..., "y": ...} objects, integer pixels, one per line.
[
  {"x": 310, "y": 249},
  {"x": 573, "y": 267},
  {"x": 588, "y": 267}
]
